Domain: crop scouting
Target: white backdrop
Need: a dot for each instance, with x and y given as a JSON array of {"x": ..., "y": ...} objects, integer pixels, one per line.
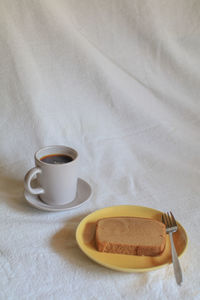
[{"x": 119, "y": 81}]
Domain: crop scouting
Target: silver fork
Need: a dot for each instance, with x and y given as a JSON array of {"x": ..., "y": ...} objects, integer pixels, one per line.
[{"x": 171, "y": 227}]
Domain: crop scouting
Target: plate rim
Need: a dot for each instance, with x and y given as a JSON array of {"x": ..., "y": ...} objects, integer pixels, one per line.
[{"x": 123, "y": 269}]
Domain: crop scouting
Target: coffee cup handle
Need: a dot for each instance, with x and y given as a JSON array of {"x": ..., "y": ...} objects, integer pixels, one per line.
[{"x": 27, "y": 181}]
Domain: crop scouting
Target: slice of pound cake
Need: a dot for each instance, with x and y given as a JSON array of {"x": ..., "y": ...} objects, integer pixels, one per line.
[{"x": 130, "y": 235}]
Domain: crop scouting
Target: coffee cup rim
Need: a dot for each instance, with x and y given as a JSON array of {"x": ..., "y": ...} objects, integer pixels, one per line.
[{"x": 37, "y": 158}]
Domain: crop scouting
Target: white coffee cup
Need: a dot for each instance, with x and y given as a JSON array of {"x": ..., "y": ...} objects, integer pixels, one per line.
[{"x": 57, "y": 181}]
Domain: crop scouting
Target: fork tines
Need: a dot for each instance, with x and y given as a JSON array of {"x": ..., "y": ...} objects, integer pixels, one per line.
[
  {"x": 173, "y": 219},
  {"x": 169, "y": 220}
]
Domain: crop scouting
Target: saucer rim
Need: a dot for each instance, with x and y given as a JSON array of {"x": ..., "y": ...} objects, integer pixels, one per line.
[{"x": 48, "y": 207}]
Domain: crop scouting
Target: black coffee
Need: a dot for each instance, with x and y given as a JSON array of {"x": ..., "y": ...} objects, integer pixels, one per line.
[{"x": 56, "y": 159}]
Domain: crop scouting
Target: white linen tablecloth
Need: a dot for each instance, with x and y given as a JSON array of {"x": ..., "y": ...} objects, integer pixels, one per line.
[{"x": 120, "y": 82}]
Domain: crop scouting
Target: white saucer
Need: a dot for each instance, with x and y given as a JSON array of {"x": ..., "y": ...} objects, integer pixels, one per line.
[{"x": 83, "y": 194}]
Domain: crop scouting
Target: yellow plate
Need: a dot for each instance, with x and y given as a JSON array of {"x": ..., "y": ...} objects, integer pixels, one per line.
[{"x": 85, "y": 236}]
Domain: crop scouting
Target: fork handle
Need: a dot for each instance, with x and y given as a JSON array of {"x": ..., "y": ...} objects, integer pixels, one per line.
[{"x": 175, "y": 260}]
